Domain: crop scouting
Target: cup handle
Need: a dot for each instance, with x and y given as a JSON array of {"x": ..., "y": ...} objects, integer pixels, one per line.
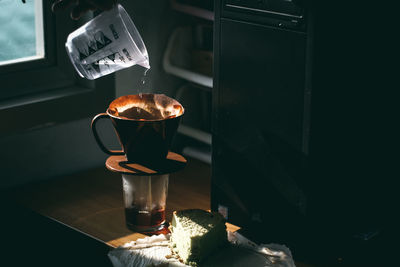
[{"x": 97, "y": 138}]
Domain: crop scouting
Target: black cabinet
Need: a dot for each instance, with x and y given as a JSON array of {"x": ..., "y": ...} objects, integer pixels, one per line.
[
  {"x": 260, "y": 125},
  {"x": 298, "y": 157}
]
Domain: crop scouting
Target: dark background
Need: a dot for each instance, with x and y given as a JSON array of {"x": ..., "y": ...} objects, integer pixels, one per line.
[
  {"x": 353, "y": 159},
  {"x": 347, "y": 172}
]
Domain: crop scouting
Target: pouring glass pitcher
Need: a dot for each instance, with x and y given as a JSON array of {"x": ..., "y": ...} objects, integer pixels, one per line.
[{"x": 105, "y": 44}]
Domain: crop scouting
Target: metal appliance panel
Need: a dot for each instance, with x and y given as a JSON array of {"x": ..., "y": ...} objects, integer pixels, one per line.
[{"x": 258, "y": 138}]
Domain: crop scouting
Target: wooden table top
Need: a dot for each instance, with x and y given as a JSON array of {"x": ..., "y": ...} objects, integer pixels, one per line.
[{"x": 91, "y": 202}]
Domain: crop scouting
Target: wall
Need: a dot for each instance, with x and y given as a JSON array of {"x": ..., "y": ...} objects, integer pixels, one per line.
[
  {"x": 49, "y": 152},
  {"x": 155, "y": 21}
]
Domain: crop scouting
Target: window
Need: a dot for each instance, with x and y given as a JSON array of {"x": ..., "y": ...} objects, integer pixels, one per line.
[
  {"x": 21, "y": 28},
  {"x": 38, "y": 84}
]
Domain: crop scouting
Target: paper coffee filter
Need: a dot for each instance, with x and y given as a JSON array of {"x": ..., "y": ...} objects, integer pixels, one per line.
[{"x": 146, "y": 107}]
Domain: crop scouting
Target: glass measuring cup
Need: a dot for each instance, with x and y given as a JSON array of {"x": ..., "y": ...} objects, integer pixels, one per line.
[{"x": 107, "y": 43}]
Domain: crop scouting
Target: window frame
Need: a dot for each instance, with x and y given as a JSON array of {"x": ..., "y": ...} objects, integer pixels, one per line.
[
  {"x": 48, "y": 91},
  {"x": 39, "y": 33}
]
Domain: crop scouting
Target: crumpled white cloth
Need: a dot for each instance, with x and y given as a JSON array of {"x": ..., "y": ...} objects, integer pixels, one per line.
[{"x": 154, "y": 251}]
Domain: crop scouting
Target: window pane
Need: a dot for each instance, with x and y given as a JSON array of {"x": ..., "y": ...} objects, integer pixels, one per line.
[{"x": 21, "y": 31}]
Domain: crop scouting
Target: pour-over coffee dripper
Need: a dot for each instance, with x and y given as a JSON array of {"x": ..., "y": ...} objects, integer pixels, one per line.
[{"x": 145, "y": 125}]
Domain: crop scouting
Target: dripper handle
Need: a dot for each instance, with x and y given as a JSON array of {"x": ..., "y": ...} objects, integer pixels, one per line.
[{"x": 97, "y": 138}]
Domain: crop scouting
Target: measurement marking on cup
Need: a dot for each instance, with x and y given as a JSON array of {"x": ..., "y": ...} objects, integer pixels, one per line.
[
  {"x": 127, "y": 54},
  {"x": 91, "y": 46},
  {"x": 114, "y": 32},
  {"x": 82, "y": 56},
  {"x": 112, "y": 59},
  {"x": 101, "y": 40}
]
